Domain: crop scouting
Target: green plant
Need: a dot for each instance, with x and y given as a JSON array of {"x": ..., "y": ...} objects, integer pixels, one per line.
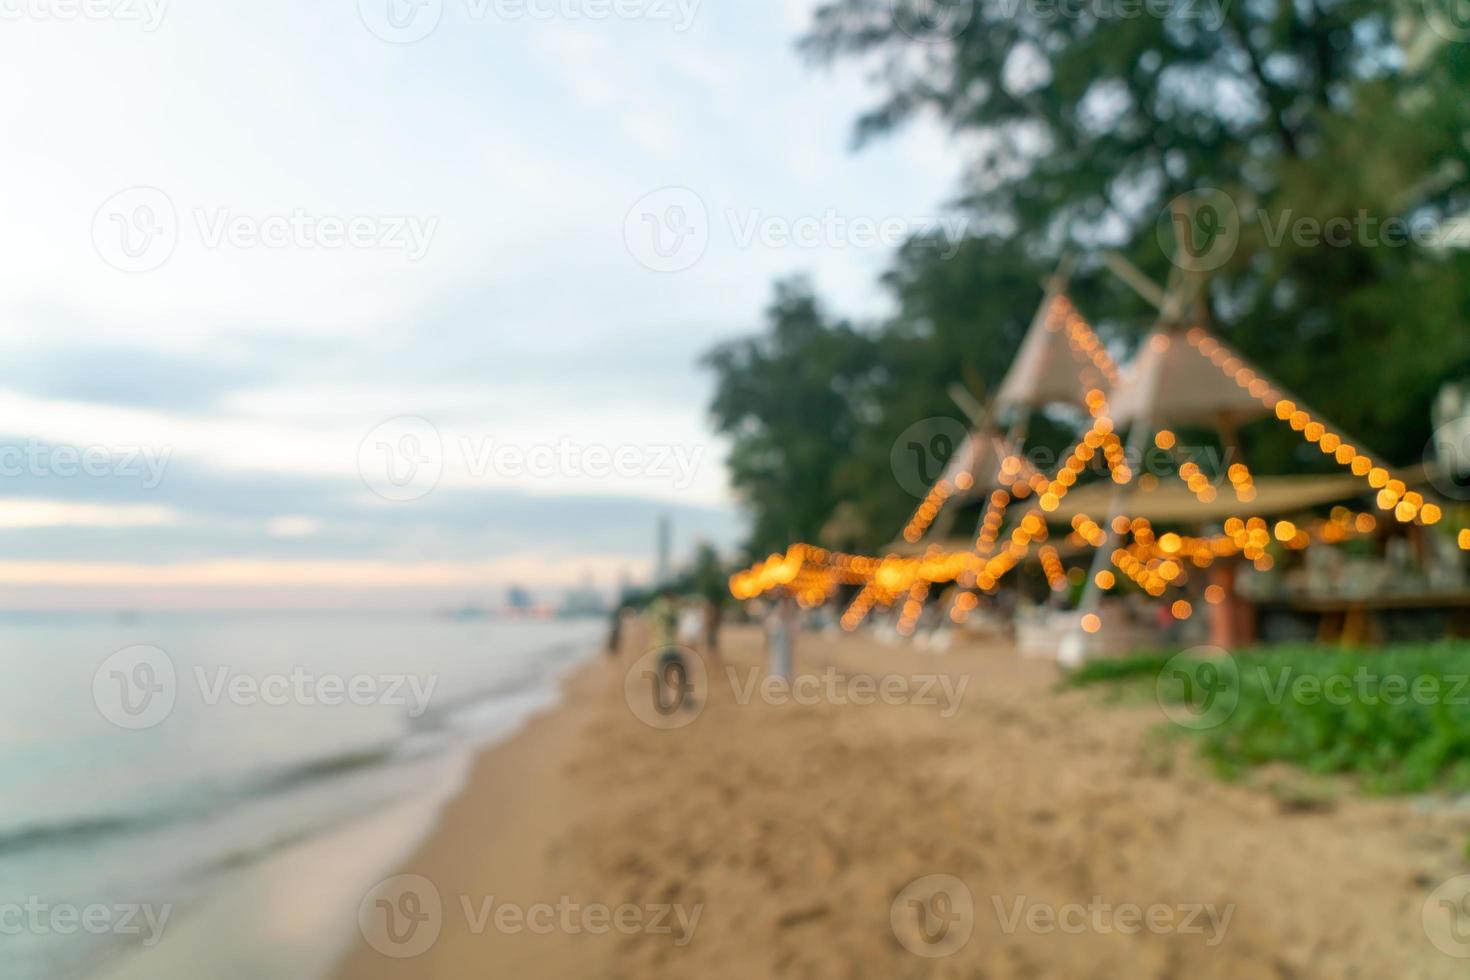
[{"x": 1397, "y": 720}]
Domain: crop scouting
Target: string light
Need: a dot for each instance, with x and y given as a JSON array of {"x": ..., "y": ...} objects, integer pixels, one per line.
[
  {"x": 913, "y": 608},
  {"x": 1393, "y": 495},
  {"x": 1081, "y": 338},
  {"x": 1154, "y": 562},
  {"x": 933, "y": 503},
  {"x": 1051, "y": 566},
  {"x": 1198, "y": 483},
  {"x": 1240, "y": 478}
]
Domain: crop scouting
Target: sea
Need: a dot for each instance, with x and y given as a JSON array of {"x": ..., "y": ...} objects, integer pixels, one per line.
[{"x": 157, "y": 766}]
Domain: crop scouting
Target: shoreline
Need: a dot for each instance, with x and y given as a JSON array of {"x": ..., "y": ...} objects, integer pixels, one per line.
[
  {"x": 484, "y": 809},
  {"x": 786, "y": 833},
  {"x": 301, "y": 901}
]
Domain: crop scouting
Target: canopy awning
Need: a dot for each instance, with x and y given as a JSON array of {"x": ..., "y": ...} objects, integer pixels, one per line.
[
  {"x": 1048, "y": 369},
  {"x": 1172, "y": 383},
  {"x": 1171, "y": 502}
]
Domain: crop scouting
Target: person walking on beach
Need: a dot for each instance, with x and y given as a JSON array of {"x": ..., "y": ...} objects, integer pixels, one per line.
[
  {"x": 663, "y": 617},
  {"x": 615, "y": 631},
  {"x": 691, "y": 625},
  {"x": 781, "y": 637},
  {"x": 673, "y": 668},
  {"x": 714, "y": 614}
]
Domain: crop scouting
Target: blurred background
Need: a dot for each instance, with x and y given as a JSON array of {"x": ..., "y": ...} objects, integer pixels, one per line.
[{"x": 379, "y": 333}]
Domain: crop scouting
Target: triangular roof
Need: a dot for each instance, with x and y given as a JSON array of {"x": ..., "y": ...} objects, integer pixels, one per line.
[
  {"x": 1049, "y": 369},
  {"x": 1179, "y": 379}
]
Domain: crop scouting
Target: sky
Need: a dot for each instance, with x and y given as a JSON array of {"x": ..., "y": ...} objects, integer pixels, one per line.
[{"x": 394, "y": 303}]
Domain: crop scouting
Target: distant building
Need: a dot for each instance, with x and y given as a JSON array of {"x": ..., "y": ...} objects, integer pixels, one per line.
[{"x": 585, "y": 600}]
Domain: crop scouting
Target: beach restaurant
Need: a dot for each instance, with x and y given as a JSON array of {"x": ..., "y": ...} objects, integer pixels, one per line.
[{"x": 1121, "y": 545}]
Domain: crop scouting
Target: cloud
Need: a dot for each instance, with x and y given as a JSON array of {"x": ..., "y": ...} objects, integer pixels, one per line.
[
  {"x": 200, "y": 511},
  {"x": 133, "y": 377},
  {"x": 254, "y": 373}
]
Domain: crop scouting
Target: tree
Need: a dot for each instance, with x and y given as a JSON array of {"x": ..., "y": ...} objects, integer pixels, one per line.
[
  {"x": 963, "y": 308},
  {"x": 792, "y": 401},
  {"x": 1090, "y": 118},
  {"x": 709, "y": 577}
]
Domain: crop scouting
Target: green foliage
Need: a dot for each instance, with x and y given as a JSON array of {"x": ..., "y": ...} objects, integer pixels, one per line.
[
  {"x": 1112, "y": 669},
  {"x": 792, "y": 402},
  {"x": 1094, "y": 123},
  {"x": 1362, "y": 726},
  {"x": 1082, "y": 131},
  {"x": 961, "y": 321},
  {"x": 1398, "y": 720},
  {"x": 709, "y": 577}
]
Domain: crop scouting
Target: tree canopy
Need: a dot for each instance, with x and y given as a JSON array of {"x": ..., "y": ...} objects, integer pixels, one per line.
[{"x": 1332, "y": 129}]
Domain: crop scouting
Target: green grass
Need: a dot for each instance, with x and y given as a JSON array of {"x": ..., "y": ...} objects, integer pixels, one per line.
[
  {"x": 1397, "y": 720},
  {"x": 1137, "y": 666}
]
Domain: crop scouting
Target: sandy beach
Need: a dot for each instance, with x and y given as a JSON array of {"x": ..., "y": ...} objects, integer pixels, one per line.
[{"x": 772, "y": 839}]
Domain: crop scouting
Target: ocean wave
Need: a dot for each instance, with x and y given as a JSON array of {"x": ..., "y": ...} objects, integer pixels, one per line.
[
  {"x": 204, "y": 800},
  {"x": 32, "y": 836},
  {"x": 323, "y": 768}
]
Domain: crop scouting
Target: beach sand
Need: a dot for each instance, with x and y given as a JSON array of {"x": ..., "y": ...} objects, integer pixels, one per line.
[{"x": 793, "y": 827}]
